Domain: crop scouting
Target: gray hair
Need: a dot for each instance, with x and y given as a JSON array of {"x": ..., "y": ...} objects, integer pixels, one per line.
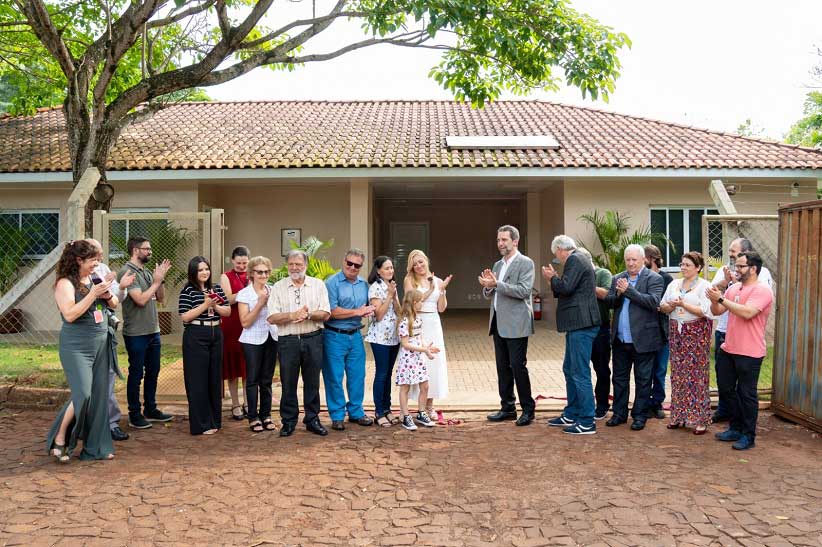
[
  {"x": 745, "y": 244},
  {"x": 353, "y": 251},
  {"x": 634, "y": 248},
  {"x": 563, "y": 242},
  {"x": 587, "y": 254},
  {"x": 511, "y": 230},
  {"x": 297, "y": 252}
]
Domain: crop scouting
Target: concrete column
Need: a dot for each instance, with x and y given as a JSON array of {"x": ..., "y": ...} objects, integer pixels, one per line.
[
  {"x": 533, "y": 234},
  {"x": 360, "y": 218}
]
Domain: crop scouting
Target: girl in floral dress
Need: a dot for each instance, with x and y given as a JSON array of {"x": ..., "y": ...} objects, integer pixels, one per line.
[{"x": 411, "y": 367}]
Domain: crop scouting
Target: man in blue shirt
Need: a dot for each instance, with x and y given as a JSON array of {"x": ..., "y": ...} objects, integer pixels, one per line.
[
  {"x": 636, "y": 335},
  {"x": 343, "y": 349}
]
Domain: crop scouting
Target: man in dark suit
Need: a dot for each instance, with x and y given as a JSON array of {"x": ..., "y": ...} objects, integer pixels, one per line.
[
  {"x": 578, "y": 317},
  {"x": 636, "y": 335},
  {"x": 511, "y": 322}
]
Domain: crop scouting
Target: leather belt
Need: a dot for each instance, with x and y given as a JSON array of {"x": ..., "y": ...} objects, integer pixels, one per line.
[
  {"x": 204, "y": 323},
  {"x": 343, "y": 331},
  {"x": 300, "y": 336}
]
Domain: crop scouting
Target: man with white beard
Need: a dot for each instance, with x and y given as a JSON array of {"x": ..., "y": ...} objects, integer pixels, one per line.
[{"x": 299, "y": 306}]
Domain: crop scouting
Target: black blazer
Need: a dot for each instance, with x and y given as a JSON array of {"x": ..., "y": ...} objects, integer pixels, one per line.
[
  {"x": 646, "y": 330},
  {"x": 576, "y": 298}
]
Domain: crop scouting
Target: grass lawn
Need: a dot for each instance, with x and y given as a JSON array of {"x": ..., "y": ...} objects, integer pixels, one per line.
[
  {"x": 765, "y": 373},
  {"x": 39, "y": 366}
]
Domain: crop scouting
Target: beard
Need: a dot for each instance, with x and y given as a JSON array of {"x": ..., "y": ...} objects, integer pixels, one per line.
[
  {"x": 144, "y": 259},
  {"x": 298, "y": 276}
]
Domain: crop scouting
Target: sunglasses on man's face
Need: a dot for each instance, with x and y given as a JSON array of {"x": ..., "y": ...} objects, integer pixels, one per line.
[{"x": 353, "y": 265}]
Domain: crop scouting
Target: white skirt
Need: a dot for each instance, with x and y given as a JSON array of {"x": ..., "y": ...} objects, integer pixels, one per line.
[{"x": 437, "y": 367}]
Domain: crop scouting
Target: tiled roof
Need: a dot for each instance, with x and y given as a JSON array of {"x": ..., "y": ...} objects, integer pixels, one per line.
[{"x": 304, "y": 134}]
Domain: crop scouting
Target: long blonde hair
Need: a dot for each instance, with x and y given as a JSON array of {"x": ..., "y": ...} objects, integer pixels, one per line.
[
  {"x": 409, "y": 270},
  {"x": 408, "y": 309}
]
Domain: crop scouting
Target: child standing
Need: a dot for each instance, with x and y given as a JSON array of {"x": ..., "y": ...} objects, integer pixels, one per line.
[{"x": 411, "y": 369}]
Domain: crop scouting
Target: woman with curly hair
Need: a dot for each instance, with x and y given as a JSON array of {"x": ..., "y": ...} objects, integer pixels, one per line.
[{"x": 86, "y": 353}]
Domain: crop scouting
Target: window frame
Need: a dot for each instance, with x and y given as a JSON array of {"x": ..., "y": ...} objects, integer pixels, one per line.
[
  {"x": 38, "y": 211},
  {"x": 686, "y": 235}
]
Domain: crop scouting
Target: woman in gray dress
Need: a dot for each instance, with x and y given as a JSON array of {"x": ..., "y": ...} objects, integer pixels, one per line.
[{"x": 86, "y": 354}]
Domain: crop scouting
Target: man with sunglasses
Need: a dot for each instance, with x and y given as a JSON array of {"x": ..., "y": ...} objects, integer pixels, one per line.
[
  {"x": 739, "y": 359},
  {"x": 343, "y": 347},
  {"x": 141, "y": 332}
]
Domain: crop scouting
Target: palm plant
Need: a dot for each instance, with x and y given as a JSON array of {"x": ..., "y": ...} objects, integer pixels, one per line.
[
  {"x": 318, "y": 266},
  {"x": 613, "y": 233}
]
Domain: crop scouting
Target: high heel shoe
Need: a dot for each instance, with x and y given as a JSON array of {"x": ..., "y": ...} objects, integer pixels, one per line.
[{"x": 60, "y": 453}]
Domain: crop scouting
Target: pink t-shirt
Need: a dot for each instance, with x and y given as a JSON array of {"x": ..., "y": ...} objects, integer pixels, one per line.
[{"x": 747, "y": 336}]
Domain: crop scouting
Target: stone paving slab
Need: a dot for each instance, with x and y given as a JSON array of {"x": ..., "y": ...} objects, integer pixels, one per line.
[{"x": 476, "y": 484}]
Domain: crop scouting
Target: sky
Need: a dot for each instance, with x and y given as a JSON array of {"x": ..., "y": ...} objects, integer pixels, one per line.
[{"x": 706, "y": 63}]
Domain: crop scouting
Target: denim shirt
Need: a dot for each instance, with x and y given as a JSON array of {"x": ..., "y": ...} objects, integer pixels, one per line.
[
  {"x": 624, "y": 326},
  {"x": 342, "y": 293}
]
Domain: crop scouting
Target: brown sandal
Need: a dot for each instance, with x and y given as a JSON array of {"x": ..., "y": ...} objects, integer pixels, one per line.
[{"x": 391, "y": 418}]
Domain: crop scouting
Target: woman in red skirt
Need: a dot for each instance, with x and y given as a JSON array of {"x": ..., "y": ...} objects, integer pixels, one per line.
[{"x": 232, "y": 282}]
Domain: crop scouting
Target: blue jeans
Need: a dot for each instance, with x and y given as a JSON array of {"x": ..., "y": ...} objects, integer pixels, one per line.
[
  {"x": 658, "y": 377},
  {"x": 143, "y": 353},
  {"x": 384, "y": 357},
  {"x": 577, "y": 371},
  {"x": 343, "y": 354}
]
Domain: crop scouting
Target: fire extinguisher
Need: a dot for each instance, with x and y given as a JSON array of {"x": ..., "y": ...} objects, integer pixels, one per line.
[{"x": 537, "y": 306}]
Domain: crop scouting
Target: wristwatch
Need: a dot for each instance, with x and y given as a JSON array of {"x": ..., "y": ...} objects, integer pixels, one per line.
[{"x": 721, "y": 300}]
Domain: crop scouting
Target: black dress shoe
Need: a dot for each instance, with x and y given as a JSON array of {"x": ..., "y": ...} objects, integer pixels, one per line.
[
  {"x": 362, "y": 420},
  {"x": 638, "y": 425},
  {"x": 287, "y": 430},
  {"x": 525, "y": 419},
  {"x": 614, "y": 421},
  {"x": 657, "y": 413},
  {"x": 118, "y": 434},
  {"x": 502, "y": 415},
  {"x": 716, "y": 418},
  {"x": 314, "y": 426}
]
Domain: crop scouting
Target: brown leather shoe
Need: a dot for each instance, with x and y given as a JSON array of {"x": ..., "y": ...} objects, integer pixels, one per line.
[{"x": 362, "y": 420}]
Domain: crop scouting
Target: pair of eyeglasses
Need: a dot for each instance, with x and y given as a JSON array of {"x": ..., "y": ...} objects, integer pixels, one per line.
[
  {"x": 353, "y": 265},
  {"x": 297, "y": 296},
  {"x": 742, "y": 266},
  {"x": 144, "y": 248},
  {"x": 261, "y": 272}
]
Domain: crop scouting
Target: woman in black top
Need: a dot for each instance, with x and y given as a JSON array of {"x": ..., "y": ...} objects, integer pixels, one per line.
[{"x": 201, "y": 305}]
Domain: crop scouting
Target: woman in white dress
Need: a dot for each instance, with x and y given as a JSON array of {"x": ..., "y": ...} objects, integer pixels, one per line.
[{"x": 419, "y": 277}]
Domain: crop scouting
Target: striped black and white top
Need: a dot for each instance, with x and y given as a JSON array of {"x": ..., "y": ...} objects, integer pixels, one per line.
[{"x": 190, "y": 298}]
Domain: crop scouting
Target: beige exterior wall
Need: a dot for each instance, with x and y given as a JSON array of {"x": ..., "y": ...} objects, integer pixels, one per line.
[{"x": 763, "y": 197}]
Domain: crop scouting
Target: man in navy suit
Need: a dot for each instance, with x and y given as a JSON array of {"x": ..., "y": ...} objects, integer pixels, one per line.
[{"x": 636, "y": 335}]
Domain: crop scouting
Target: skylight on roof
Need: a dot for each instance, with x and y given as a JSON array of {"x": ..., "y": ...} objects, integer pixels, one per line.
[{"x": 502, "y": 142}]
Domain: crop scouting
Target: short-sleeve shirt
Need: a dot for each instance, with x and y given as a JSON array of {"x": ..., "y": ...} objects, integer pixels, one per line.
[
  {"x": 342, "y": 293},
  {"x": 259, "y": 330},
  {"x": 286, "y": 297},
  {"x": 139, "y": 320},
  {"x": 384, "y": 331},
  {"x": 764, "y": 278},
  {"x": 747, "y": 336},
  {"x": 695, "y": 296},
  {"x": 190, "y": 298},
  {"x": 603, "y": 280}
]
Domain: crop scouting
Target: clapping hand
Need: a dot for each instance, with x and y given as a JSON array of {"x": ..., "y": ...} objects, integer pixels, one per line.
[
  {"x": 392, "y": 289},
  {"x": 444, "y": 283},
  {"x": 101, "y": 289},
  {"x": 487, "y": 279},
  {"x": 161, "y": 270},
  {"x": 548, "y": 272},
  {"x": 621, "y": 285},
  {"x": 127, "y": 279},
  {"x": 301, "y": 315},
  {"x": 713, "y": 294}
]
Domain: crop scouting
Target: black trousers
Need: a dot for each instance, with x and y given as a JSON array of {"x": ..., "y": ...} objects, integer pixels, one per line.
[
  {"x": 202, "y": 373},
  {"x": 601, "y": 359},
  {"x": 626, "y": 356},
  {"x": 260, "y": 360},
  {"x": 737, "y": 378},
  {"x": 512, "y": 361},
  {"x": 300, "y": 355}
]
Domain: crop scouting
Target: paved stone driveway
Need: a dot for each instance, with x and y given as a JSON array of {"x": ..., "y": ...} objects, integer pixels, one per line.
[{"x": 477, "y": 484}]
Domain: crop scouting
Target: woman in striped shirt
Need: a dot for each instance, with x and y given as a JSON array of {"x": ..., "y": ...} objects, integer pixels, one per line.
[{"x": 201, "y": 305}]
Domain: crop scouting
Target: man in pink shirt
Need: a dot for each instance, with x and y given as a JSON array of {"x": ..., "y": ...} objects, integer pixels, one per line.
[{"x": 740, "y": 357}]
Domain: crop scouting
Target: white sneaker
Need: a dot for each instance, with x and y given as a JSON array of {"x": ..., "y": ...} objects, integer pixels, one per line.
[
  {"x": 408, "y": 423},
  {"x": 423, "y": 419}
]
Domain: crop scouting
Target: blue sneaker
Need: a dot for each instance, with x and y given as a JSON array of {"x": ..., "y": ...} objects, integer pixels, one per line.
[
  {"x": 744, "y": 443},
  {"x": 729, "y": 435},
  {"x": 561, "y": 421},
  {"x": 579, "y": 429}
]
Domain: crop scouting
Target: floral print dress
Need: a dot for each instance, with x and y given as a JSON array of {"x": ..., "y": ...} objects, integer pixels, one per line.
[{"x": 411, "y": 367}]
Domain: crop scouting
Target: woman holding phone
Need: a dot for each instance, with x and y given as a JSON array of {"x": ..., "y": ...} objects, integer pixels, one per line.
[
  {"x": 86, "y": 354},
  {"x": 201, "y": 305}
]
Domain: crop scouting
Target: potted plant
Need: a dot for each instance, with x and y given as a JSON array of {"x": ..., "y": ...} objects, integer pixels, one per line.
[
  {"x": 13, "y": 245},
  {"x": 318, "y": 266}
]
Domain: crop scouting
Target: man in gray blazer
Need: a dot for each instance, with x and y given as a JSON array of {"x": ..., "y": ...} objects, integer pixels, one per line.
[
  {"x": 636, "y": 335},
  {"x": 578, "y": 317},
  {"x": 511, "y": 322}
]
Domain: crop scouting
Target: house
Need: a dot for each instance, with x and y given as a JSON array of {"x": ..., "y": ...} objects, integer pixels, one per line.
[{"x": 390, "y": 176}]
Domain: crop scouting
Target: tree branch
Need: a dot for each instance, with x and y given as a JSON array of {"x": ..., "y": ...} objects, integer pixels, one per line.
[
  {"x": 180, "y": 16},
  {"x": 43, "y": 27}
]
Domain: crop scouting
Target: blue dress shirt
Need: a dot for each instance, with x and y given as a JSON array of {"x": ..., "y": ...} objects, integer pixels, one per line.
[
  {"x": 343, "y": 293},
  {"x": 624, "y": 326}
]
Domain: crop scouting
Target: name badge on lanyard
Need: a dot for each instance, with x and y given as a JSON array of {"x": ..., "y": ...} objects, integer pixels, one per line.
[{"x": 98, "y": 313}]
